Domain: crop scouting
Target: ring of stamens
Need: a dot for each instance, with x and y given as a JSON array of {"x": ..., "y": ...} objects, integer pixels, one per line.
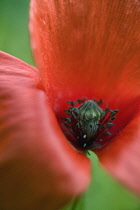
[{"x": 88, "y": 122}]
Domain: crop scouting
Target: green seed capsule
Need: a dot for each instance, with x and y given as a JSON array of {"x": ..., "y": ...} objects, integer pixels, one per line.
[{"x": 88, "y": 122}]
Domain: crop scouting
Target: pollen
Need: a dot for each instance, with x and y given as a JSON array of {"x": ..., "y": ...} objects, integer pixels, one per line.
[{"x": 89, "y": 123}]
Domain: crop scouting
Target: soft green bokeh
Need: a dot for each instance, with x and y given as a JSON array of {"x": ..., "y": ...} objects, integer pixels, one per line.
[
  {"x": 104, "y": 193},
  {"x": 14, "y": 37}
]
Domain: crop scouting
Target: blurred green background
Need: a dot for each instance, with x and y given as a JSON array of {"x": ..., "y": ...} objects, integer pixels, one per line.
[{"x": 104, "y": 193}]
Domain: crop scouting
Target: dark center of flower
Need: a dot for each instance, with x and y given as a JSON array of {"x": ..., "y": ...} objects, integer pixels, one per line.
[{"x": 89, "y": 123}]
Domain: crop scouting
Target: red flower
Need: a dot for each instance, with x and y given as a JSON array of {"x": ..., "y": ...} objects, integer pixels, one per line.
[{"x": 82, "y": 48}]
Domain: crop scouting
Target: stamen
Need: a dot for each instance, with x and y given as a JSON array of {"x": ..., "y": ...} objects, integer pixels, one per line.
[{"x": 89, "y": 123}]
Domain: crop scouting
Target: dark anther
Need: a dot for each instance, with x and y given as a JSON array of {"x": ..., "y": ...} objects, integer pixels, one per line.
[{"x": 89, "y": 123}]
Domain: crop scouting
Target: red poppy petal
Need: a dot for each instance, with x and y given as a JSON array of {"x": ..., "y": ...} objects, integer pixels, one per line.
[
  {"x": 87, "y": 48},
  {"x": 122, "y": 156},
  {"x": 38, "y": 167},
  {"x": 91, "y": 48}
]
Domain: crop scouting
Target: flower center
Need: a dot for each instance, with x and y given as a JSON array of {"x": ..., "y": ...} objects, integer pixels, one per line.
[{"x": 89, "y": 123}]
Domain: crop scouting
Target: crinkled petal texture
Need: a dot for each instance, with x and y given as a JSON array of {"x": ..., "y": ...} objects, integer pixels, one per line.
[
  {"x": 87, "y": 48},
  {"x": 38, "y": 167}
]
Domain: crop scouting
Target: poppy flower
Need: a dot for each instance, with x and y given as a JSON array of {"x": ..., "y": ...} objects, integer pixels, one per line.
[{"x": 82, "y": 49}]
